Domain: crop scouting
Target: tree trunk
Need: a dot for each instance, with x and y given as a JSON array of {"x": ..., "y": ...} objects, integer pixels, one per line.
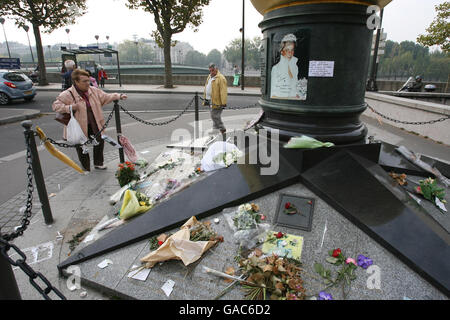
[
  {"x": 167, "y": 63},
  {"x": 40, "y": 55}
]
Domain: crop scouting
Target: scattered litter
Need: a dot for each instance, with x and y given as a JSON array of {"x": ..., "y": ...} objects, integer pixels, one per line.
[
  {"x": 139, "y": 273},
  {"x": 415, "y": 198},
  {"x": 216, "y": 220},
  {"x": 89, "y": 238},
  {"x": 323, "y": 236},
  {"x": 51, "y": 195},
  {"x": 168, "y": 287},
  {"x": 83, "y": 294},
  {"x": 59, "y": 236},
  {"x": 144, "y": 152},
  {"x": 107, "y": 224},
  {"x": 104, "y": 263},
  {"x": 406, "y": 298},
  {"x": 72, "y": 287},
  {"x": 440, "y": 204}
]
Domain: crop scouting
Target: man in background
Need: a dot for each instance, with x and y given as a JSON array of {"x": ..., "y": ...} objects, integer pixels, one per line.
[{"x": 215, "y": 96}]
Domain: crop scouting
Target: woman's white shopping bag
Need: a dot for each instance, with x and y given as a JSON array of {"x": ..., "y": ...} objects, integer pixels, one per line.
[{"x": 74, "y": 133}]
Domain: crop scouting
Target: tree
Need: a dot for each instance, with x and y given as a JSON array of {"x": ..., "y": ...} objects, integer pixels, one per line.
[
  {"x": 195, "y": 58},
  {"x": 46, "y": 14},
  {"x": 214, "y": 56},
  {"x": 252, "y": 54},
  {"x": 137, "y": 50},
  {"x": 439, "y": 30},
  {"x": 171, "y": 17}
]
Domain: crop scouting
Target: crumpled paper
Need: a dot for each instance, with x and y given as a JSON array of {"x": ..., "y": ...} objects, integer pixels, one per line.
[{"x": 179, "y": 247}]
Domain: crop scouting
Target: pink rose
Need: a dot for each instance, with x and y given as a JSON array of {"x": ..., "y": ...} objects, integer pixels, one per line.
[{"x": 350, "y": 260}]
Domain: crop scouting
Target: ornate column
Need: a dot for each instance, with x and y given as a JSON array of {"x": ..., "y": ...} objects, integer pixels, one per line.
[{"x": 315, "y": 65}]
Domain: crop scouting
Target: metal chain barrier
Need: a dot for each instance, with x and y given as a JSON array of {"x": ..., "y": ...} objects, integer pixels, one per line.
[
  {"x": 233, "y": 108},
  {"x": 5, "y": 244},
  {"x": 27, "y": 213},
  {"x": 25, "y": 267},
  {"x": 407, "y": 122},
  {"x": 89, "y": 141},
  {"x": 158, "y": 123}
]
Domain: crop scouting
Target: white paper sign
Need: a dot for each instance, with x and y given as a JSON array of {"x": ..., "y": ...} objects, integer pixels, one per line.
[
  {"x": 323, "y": 69},
  {"x": 168, "y": 287},
  {"x": 139, "y": 274}
]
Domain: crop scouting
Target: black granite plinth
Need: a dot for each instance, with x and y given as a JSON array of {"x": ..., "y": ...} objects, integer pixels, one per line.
[
  {"x": 345, "y": 182},
  {"x": 352, "y": 179},
  {"x": 226, "y": 187}
]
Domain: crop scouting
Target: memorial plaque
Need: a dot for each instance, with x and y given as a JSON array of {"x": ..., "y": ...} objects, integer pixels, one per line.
[{"x": 302, "y": 219}]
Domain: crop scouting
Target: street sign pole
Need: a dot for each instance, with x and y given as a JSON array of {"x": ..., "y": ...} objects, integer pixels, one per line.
[{"x": 372, "y": 83}]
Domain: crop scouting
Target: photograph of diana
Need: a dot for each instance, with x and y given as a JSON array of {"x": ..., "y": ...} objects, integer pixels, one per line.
[{"x": 286, "y": 80}]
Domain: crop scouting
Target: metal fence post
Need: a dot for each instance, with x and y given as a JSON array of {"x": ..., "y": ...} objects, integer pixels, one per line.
[
  {"x": 37, "y": 171},
  {"x": 196, "y": 133},
  {"x": 118, "y": 129},
  {"x": 9, "y": 289}
]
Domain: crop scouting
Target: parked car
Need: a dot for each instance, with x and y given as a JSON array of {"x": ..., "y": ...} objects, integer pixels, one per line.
[{"x": 15, "y": 85}]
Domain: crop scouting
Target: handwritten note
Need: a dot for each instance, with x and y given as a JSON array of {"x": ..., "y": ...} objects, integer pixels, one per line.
[{"x": 321, "y": 69}]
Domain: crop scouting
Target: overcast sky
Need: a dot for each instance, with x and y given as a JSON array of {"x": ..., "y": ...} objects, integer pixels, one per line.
[{"x": 403, "y": 20}]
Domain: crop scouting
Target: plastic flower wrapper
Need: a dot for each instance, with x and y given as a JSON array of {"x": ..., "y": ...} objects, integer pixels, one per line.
[
  {"x": 245, "y": 223},
  {"x": 305, "y": 142},
  {"x": 134, "y": 203}
]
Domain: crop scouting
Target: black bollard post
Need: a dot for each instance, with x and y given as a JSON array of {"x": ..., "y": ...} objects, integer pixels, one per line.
[
  {"x": 196, "y": 134},
  {"x": 118, "y": 129},
  {"x": 9, "y": 289},
  {"x": 37, "y": 171}
]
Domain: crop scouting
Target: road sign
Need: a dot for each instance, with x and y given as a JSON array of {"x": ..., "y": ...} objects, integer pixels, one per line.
[{"x": 9, "y": 63}]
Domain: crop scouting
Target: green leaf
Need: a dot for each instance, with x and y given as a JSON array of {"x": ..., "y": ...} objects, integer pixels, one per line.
[
  {"x": 332, "y": 260},
  {"x": 318, "y": 268}
]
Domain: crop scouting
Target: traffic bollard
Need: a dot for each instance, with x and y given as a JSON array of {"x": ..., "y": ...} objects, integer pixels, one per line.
[
  {"x": 196, "y": 133},
  {"x": 118, "y": 129},
  {"x": 8, "y": 289},
  {"x": 37, "y": 171}
]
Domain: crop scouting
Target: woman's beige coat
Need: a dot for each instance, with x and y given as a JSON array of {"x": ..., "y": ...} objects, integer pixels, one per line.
[{"x": 97, "y": 98}]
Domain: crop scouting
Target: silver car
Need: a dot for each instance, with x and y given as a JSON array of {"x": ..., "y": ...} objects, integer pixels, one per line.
[{"x": 15, "y": 85}]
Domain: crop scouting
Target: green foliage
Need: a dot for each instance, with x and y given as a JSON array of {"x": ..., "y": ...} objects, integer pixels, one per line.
[
  {"x": 215, "y": 57},
  {"x": 46, "y": 14},
  {"x": 195, "y": 58},
  {"x": 410, "y": 59},
  {"x": 439, "y": 30},
  {"x": 49, "y": 14},
  {"x": 171, "y": 17},
  {"x": 132, "y": 51},
  {"x": 252, "y": 53}
]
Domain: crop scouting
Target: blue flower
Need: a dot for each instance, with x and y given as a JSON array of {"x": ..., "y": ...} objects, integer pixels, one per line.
[
  {"x": 325, "y": 296},
  {"x": 364, "y": 262}
]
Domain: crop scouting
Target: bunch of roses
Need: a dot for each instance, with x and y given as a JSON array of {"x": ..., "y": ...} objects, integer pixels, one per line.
[{"x": 126, "y": 173}]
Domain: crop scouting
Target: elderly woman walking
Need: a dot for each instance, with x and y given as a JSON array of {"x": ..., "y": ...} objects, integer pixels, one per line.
[{"x": 87, "y": 103}]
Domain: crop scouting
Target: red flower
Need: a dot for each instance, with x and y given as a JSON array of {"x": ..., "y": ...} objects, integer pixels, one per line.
[
  {"x": 309, "y": 202},
  {"x": 418, "y": 190},
  {"x": 337, "y": 252},
  {"x": 287, "y": 205},
  {"x": 278, "y": 235},
  {"x": 160, "y": 243}
]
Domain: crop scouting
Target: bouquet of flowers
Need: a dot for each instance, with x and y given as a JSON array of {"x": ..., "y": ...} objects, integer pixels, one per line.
[
  {"x": 126, "y": 173},
  {"x": 228, "y": 158}
]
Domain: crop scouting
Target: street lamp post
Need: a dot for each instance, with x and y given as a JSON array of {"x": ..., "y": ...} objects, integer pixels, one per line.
[
  {"x": 50, "y": 52},
  {"x": 243, "y": 45},
  {"x": 2, "y": 21},
  {"x": 96, "y": 38},
  {"x": 67, "y": 31},
  {"x": 26, "y": 28}
]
